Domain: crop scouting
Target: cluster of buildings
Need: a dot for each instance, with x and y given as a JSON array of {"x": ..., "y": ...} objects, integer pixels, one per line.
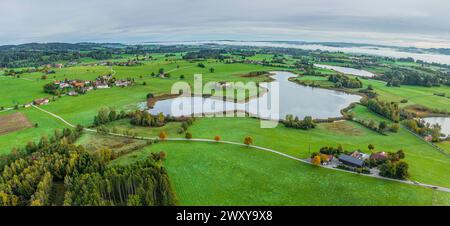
[
  {"x": 75, "y": 87},
  {"x": 355, "y": 159}
]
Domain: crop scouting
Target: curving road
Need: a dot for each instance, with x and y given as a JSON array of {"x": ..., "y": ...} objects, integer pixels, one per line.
[{"x": 444, "y": 189}]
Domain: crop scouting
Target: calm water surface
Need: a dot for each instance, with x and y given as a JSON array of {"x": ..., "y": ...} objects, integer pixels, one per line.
[
  {"x": 347, "y": 70},
  {"x": 294, "y": 99},
  {"x": 444, "y": 122}
]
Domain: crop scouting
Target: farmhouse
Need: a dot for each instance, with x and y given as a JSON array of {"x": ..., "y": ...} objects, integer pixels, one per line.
[
  {"x": 63, "y": 85},
  {"x": 72, "y": 93},
  {"x": 378, "y": 156},
  {"x": 101, "y": 85},
  {"x": 58, "y": 65},
  {"x": 359, "y": 155},
  {"x": 77, "y": 84},
  {"x": 41, "y": 101},
  {"x": 122, "y": 83},
  {"x": 351, "y": 161}
]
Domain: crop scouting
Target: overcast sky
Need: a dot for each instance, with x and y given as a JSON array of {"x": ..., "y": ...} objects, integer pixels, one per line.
[{"x": 423, "y": 23}]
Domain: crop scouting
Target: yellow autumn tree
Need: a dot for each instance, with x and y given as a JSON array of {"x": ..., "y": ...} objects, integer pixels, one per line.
[
  {"x": 316, "y": 160},
  {"x": 163, "y": 135},
  {"x": 248, "y": 140},
  {"x": 36, "y": 202},
  {"x": 323, "y": 158}
]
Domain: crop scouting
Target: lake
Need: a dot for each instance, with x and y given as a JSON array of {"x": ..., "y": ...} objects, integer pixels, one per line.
[
  {"x": 347, "y": 70},
  {"x": 293, "y": 99},
  {"x": 444, "y": 122}
]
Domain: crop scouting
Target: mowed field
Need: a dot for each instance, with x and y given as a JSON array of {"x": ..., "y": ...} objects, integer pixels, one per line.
[
  {"x": 222, "y": 174},
  {"x": 414, "y": 94},
  {"x": 46, "y": 125},
  {"x": 300, "y": 143},
  {"x": 82, "y": 109}
]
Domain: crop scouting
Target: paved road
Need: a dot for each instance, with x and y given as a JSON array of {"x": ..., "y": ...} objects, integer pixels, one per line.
[{"x": 256, "y": 147}]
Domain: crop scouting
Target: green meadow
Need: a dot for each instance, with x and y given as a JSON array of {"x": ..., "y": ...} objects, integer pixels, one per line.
[{"x": 219, "y": 174}]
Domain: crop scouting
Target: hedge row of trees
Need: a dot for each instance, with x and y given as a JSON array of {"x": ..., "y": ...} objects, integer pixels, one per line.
[
  {"x": 423, "y": 129},
  {"x": 340, "y": 80},
  {"x": 380, "y": 127},
  {"x": 107, "y": 115},
  {"x": 305, "y": 124},
  {"x": 389, "y": 110},
  {"x": 144, "y": 118}
]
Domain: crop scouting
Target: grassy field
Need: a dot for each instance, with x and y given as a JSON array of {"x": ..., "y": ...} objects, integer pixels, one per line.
[
  {"x": 221, "y": 174},
  {"x": 30, "y": 85},
  {"x": 416, "y": 95},
  {"x": 19, "y": 138},
  {"x": 315, "y": 80},
  {"x": 445, "y": 145},
  {"x": 299, "y": 143},
  {"x": 82, "y": 109}
]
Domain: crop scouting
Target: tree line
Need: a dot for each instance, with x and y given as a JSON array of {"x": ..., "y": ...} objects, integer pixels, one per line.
[
  {"x": 341, "y": 80},
  {"x": 295, "y": 122},
  {"x": 389, "y": 110}
]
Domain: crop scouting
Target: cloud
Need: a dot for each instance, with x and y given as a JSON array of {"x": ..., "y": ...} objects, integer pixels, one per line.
[{"x": 144, "y": 20}]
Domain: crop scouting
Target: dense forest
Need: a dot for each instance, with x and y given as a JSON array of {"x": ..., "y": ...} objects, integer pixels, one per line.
[{"x": 28, "y": 176}]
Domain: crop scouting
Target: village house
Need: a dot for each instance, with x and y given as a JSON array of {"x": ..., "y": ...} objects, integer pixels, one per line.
[
  {"x": 41, "y": 101},
  {"x": 72, "y": 93},
  {"x": 58, "y": 66},
  {"x": 359, "y": 155},
  {"x": 379, "y": 156},
  {"x": 122, "y": 83},
  {"x": 63, "y": 85},
  {"x": 101, "y": 85},
  {"x": 76, "y": 83}
]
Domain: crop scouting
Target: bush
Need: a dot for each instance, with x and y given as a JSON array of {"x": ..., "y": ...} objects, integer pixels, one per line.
[
  {"x": 163, "y": 135},
  {"x": 248, "y": 140}
]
